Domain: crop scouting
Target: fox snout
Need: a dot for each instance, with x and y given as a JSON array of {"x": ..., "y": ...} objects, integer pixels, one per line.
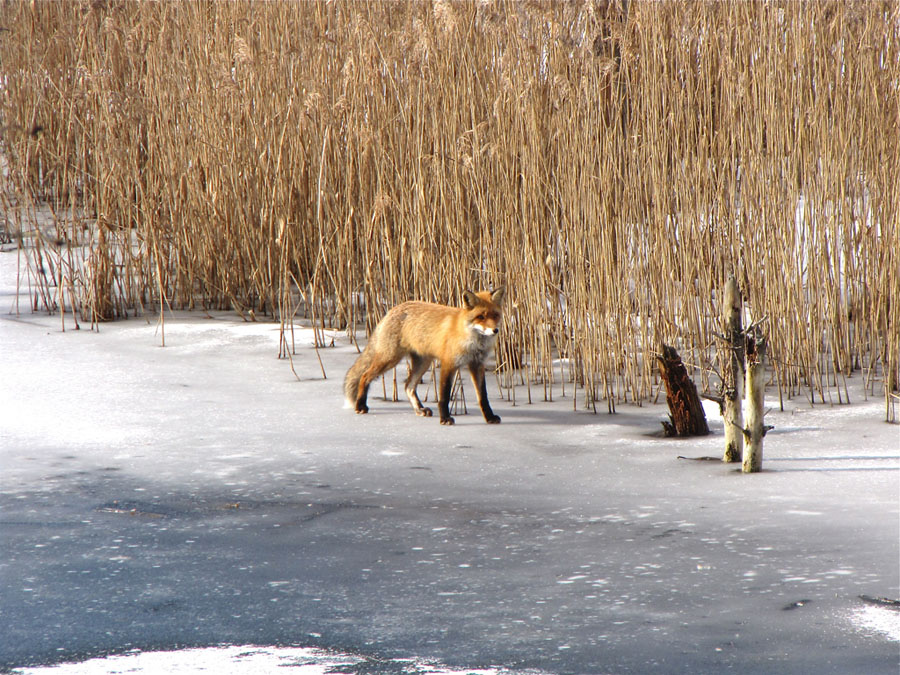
[{"x": 486, "y": 330}]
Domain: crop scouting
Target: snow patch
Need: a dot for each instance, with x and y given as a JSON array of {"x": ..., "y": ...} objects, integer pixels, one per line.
[
  {"x": 878, "y": 621},
  {"x": 237, "y": 660}
]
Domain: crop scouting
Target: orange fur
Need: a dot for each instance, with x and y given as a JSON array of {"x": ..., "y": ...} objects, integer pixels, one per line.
[{"x": 424, "y": 331}]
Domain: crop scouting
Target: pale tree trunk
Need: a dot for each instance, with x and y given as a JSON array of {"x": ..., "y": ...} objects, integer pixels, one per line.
[
  {"x": 756, "y": 391},
  {"x": 733, "y": 386}
]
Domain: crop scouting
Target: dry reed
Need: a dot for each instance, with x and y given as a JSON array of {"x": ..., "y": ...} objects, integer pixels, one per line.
[{"x": 611, "y": 163}]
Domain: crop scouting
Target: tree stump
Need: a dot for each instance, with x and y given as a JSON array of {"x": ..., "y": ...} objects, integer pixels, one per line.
[
  {"x": 685, "y": 410},
  {"x": 756, "y": 392},
  {"x": 733, "y": 373}
]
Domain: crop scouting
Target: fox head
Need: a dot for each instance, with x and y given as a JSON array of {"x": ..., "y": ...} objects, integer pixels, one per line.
[{"x": 483, "y": 311}]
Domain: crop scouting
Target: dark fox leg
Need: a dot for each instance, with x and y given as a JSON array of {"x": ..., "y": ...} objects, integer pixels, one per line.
[
  {"x": 362, "y": 393},
  {"x": 477, "y": 371},
  {"x": 373, "y": 371},
  {"x": 448, "y": 372},
  {"x": 417, "y": 367}
]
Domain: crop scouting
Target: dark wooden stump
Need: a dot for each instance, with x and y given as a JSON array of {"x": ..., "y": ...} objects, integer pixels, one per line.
[{"x": 685, "y": 410}]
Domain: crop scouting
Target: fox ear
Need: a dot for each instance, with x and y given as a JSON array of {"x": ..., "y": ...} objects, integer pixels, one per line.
[
  {"x": 470, "y": 299},
  {"x": 498, "y": 294}
]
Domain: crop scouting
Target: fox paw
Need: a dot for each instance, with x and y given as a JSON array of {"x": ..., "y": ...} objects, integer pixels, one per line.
[
  {"x": 423, "y": 412},
  {"x": 493, "y": 419},
  {"x": 448, "y": 421},
  {"x": 362, "y": 409}
]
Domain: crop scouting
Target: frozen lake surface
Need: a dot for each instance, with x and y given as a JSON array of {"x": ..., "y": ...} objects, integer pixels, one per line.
[{"x": 196, "y": 507}]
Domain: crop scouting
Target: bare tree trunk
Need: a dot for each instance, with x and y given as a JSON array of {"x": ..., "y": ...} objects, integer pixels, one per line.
[
  {"x": 756, "y": 391},
  {"x": 733, "y": 386},
  {"x": 686, "y": 411}
]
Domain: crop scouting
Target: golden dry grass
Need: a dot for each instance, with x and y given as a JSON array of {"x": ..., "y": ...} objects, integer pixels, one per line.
[{"x": 611, "y": 166}]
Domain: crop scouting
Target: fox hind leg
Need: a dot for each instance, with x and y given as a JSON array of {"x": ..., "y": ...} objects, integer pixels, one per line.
[
  {"x": 378, "y": 367},
  {"x": 362, "y": 394},
  {"x": 418, "y": 364}
]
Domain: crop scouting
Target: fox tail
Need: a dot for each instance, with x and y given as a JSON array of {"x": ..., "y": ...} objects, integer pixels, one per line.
[{"x": 354, "y": 375}]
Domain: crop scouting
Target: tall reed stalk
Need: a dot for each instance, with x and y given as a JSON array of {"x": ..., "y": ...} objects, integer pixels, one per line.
[{"x": 612, "y": 163}]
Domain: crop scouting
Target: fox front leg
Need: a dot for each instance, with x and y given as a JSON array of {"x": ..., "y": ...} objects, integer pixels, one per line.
[
  {"x": 478, "y": 379},
  {"x": 448, "y": 372}
]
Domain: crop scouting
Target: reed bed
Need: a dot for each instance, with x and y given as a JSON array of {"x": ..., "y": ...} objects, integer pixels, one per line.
[{"x": 612, "y": 163}]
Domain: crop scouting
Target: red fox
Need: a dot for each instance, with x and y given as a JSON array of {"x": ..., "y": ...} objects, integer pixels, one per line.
[{"x": 455, "y": 336}]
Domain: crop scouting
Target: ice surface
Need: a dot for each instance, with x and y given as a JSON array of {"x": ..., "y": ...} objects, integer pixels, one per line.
[{"x": 198, "y": 494}]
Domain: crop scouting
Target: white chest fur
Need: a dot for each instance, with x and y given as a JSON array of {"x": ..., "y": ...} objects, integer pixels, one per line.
[{"x": 477, "y": 349}]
